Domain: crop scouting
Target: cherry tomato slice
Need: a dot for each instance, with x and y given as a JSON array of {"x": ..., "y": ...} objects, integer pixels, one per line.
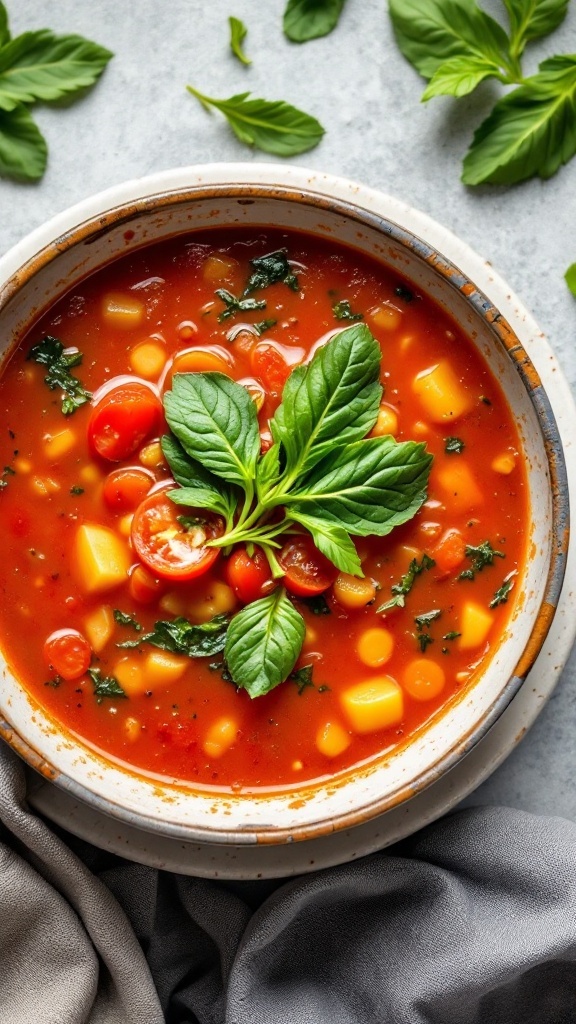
[
  {"x": 171, "y": 539},
  {"x": 308, "y": 572},
  {"x": 67, "y": 653},
  {"x": 124, "y": 489},
  {"x": 249, "y": 577},
  {"x": 123, "y": 418}
]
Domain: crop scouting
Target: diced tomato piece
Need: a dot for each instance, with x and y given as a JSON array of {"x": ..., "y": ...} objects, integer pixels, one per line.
[
  {"x": 124, "y": 489},
  {"x": 67, "y": 653},
  {"x": 449, "y": 552},
  {"x": 172, "y": 540},
  {"x": 123, "y": 418},
  {"x": 269, "y": 365},
  {"x": 249, "y": 576},
  {"x": 307, "y": 570}
]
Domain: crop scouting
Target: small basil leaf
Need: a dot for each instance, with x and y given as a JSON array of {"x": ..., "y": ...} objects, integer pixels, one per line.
[
  {"x": 4, "y": 28},
  {"x": 23, "y": 149},
  {"x": 268, "y": 470},
  {"x": 531, "y": 131},
  {"x": 531, "y": 19},
  {"x": 333, "y": 400},
  {"x": 430, "y": 32},
  {"x": 273, "y": 126},
  {"x": 369, "y": 487},
  {"x": 238, "y": 33},
  {"x": 570, "y": 278},
  {"x": 182, "y": 637},
  {"x": 215, "y": 420},
  {"x": 263, "y": 643},
  {"x": 459, "y": 76},
  {"x": 198, "y": 486},
  {"x": 42, "y": 66},
  {"x": 310, "y": 19},
  {"x": 105, "y": 686},
  {"x": 332, "y": 541},
  {"x": 269, "y": 269}
]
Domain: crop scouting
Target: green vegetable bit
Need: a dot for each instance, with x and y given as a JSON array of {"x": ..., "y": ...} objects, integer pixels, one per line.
[
  {"x": 123, "y": 619},
  {"x": 400, "y": 590},
  {"x": 501, "y": 595},
  {"x": 570, "y": 278},
  {"x": 49, "y": 352},
  {"x": 482, "y": 555},
  {"x": 105, "y": 686},
  {"x": 235, "y": 305},
  {"x": 453, "y": 445},
  {"x": 343, "y": 311},
  {"x": 238, "y": 33},
  {"x": 182, "y": 637},
  {"x": 311, "y": 19}
]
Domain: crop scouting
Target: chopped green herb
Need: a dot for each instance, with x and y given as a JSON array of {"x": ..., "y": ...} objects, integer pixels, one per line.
[
  {"x": 222, "y": 668},
  {"x": 190, "y": 522},
  {"x": 484, "y": 400},
  {"x": 406, "y": 583},
  {"x": 54, "y": 683},
  {"x": 501, "y": 595},
  {"x": 238, "y": 33},
  {"x": 482, "y": 555},
  {"x": 105, "y": 686},
  {"x": 303, "y": 678},
  {"x": 270, "y": 269},
  {"x": 7, "y": 471},
  {"x": 453, "y": 445},
  {"x": 264, "y": 325},
  {"x": 424, "y": 641},
  {"x": 318, "y": 604},
  {"x": 403, "y": 293},
  {"x": 182, "y": 637},
  {"x": 126, "y": 620},
  {"x": 49, "y": 352},
  {"x": 343, "y": 311},
  {"x": 427, "y": 618},
  {"x": 452, "y": 635},
  {"x": 76, "y": 489},
  {"x": 235, "y": 305}
]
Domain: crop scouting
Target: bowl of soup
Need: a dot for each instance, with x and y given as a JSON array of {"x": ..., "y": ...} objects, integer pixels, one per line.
[{"x": 283, "y": 503}]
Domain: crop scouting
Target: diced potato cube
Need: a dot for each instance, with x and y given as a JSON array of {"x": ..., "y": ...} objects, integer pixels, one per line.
[
  {"x": 99, "y": 627},
  {"x": 58, "y": 445},
  {"x": 387, "y": 316},
  {"x": 475, "y": 623},
  {"x": 173, "y": 603},
  {"x": 504, "y": 463},
  {"x": 220, "y": 736},
  {"x": 129, "y": 674},
  {"x": 100, "y": 558},
  {"x": 376, "y": 703},
  {"x": 219, "y": 267},
  {"x": 162, "y": 668},
  {"x": 460, "y": 491},
  {"x": 122, "y": 312},
  {"x": 387, "y": 422},
  {"x": 441, "y": 393},
  {"x": 332, "y": 739}
]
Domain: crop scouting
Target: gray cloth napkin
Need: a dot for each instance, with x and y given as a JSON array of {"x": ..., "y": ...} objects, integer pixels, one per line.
[{"x": 471, "y": 921}]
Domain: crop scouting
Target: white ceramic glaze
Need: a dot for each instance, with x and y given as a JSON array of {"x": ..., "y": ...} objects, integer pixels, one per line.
[{"x": 194, "y": 198}]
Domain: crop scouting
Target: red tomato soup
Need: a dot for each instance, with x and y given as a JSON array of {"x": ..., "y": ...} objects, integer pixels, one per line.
[{"x": 96, "y": 554}]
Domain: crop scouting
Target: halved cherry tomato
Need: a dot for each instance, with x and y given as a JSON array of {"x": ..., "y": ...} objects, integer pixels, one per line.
[
  {"x": 171, "y": 539},
  {"x": 143, "y": 587},
  {"x": 124, "y": 489},
  {"x": 269, "y": 365},
  {"x": 123, "y": 418},
  {"x": 308, "y": 572},
  {"x": 249, "y": 577},
  {"x": 67, "y": 653}
]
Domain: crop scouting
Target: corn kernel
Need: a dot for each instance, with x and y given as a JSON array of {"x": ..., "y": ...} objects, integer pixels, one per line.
[
  {"x": 332, "y": 739},
  {"x": 125, "y": 524},
  {"x": 505, "y": 463},
  {"x": 352, "y": 592},
  {"x": 217, "y": 599},
  {"x": 132, "y": 728},
  {"x": 220, "y": 736},
  {"x": 387, "y": 316},
  {"x": 375, "y": 646},
  {"x": 90, "y": 475},
  {"x": 376, "y": 703},
  {"x": 151, "y": 455},
  {"x": 58, "y": 445}
]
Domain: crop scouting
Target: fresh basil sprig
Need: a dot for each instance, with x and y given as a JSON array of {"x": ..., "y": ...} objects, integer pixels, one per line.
[
  {"x": 321, "y": 475},
  {"x": 309, "y": 19},
  {"x": 456, "y": 45},
  {"x": 238, "y": 33},
  {"x": 270, "y": 125},
  {"x": 38, "y": 66}
]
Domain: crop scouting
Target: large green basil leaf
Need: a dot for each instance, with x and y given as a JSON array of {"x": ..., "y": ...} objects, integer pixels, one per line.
[
  {"x": 41, "y": 66},
  {"x": 332, "y": 541},
  {"x": 23, "y": 149},
  {"x": 531, "y": 19},
  {"x": 331, "y": 401},
  {"x": 215, "y": 420},
  {"x": 263, "y": 643},
  {"x": 310, "y": 19},
  {"x": 198, "y": 487},
  {"x": 369, "y": 487}
]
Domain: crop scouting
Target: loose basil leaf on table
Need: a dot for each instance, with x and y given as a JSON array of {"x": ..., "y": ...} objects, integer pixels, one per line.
[
  {"x": 263, "y": 643},
  {"x": 460, "y": 76},
  {"x": 23, "y": 149},
  {"x": 215, "y": 421},
  {"x": 270, "y": 125},
  {"x": 331, "y": 401},
  {"x": 42, "y": 66},
  {"x": 570, "y": 278},
  {"x": 532, "y": 19},
  {"x": 310, "y": 19},
  {"x": 531, "y": 131},
  {"x": 238, "y": 33},
  {"x": 4, "y": 28}
]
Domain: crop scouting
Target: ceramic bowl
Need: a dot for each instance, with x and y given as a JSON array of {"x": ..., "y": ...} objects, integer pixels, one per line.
[{"x": 54, "y": 258}]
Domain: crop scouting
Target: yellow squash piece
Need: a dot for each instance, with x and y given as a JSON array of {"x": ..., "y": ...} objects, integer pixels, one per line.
[
  {"x": 442, "y": 395},
  {"x": 376, "y": 703},
  {"x": 99, "y": 626},
  {"x": 475, "y": 623},
  {"x": 332, "y": 739},
  {"x": 161, "y": 668},
  {"x": 220, "y": 736},
  {"x": 100, "y": 559}
]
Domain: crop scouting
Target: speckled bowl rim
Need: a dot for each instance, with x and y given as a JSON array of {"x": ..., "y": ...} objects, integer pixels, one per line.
[{"x": 148, "y": 198}]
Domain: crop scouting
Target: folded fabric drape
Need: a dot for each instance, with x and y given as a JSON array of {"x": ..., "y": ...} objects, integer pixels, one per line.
[{"x": 471, "y": 921}]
